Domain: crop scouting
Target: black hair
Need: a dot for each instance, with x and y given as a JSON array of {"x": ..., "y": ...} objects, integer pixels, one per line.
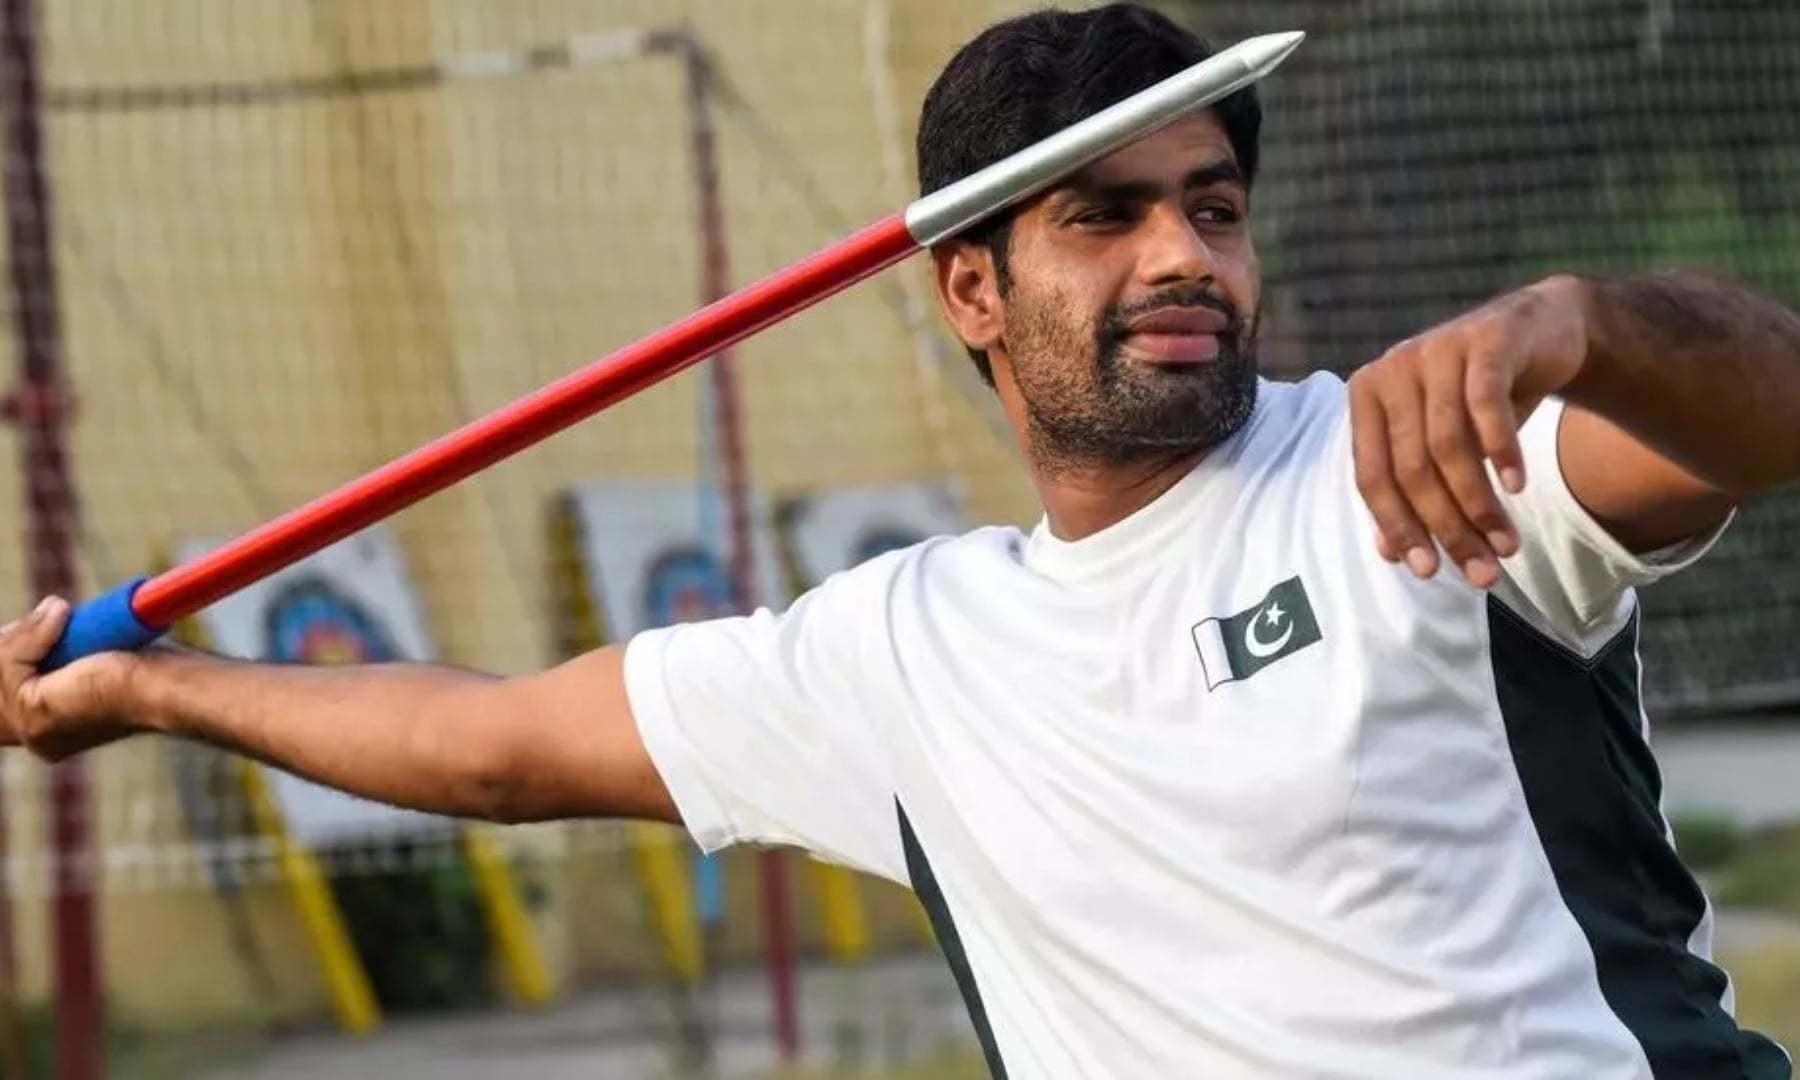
[{"x": 1028, "y": 77}]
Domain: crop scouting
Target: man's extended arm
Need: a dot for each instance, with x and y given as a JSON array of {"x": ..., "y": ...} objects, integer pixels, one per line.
[
  {"x": 1685, "y": 395},
  {"x": 562, "y": 743}
]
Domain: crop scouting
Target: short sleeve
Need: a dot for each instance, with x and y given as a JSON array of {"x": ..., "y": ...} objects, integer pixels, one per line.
[
  {"x": 1573, "y": 577},
  {"x": 766, "y": 728}
]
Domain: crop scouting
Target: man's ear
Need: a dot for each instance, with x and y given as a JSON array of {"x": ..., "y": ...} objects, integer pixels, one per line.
[{"x": 968, "y": 287}]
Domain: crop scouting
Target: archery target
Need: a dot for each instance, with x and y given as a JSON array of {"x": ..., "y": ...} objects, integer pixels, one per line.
[
  {"x": 657, "y": 554},
  {"x": 835, "y": 530},
  {"x": 351, "y": 603}
]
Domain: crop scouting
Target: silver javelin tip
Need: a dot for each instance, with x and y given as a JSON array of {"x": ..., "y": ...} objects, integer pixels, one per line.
[
  {"x": 951, "y": 209},
  {"x": 1262, "y": 54}
]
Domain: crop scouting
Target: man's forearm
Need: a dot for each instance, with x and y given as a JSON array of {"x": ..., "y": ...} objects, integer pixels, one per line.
[
  {"x": 414, "y": 735},
  {"x": 1704, "y": 371}
]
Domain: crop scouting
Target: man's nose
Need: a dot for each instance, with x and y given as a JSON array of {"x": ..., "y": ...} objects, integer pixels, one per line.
[{"x": 1174, "y": 251}]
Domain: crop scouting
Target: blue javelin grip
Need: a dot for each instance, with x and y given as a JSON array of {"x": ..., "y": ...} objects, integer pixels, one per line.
[{"x": 103, "y": 624}]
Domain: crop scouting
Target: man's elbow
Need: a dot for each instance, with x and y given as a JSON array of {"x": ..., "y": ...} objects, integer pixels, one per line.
[
  {"x": 487, "y": 757},
  {"x": 562, "y": 744},
  {"x": 501, "y": 795},
  {"x": 508, "y": 792}
]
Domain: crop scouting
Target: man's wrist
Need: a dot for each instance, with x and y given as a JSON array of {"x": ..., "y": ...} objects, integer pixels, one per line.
[
  {"x": 1584, "y": 299},
  {"x": 149, "y": 689}
]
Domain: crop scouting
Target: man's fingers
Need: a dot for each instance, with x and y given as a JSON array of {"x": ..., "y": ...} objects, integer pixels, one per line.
[
  {"x": 1399, "y": 532},
  {"x": 1450, "y": 437},
  {"x": 22, "y": 624},
  {"x": 39, "y": 631},
  {"x": 1384, "y": 548},
  {"x": 18, "y": 645},
  {"x": 1425, "y": 488},
  {"x": 23, "y": 644},
  {"x": 1489, "y": 394}
]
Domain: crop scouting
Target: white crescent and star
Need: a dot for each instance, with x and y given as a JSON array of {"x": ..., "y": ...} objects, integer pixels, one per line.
[{"x": 1258, "y": 646}]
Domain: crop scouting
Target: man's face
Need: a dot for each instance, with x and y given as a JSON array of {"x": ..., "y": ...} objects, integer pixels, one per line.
[{"x": 1126, "y": 319}]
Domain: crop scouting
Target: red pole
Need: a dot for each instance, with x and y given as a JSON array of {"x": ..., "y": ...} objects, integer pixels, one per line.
[
  {"x": 40, "y": 406},
  {"x": 715, "y": 283}
]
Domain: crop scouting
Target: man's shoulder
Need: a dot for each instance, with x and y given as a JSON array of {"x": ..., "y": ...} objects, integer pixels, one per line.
[
  {"x": 955, "y": 553},
  {"x": 1319, "y": 399},
  {"x": 1296, "y": 424},
  {"x": 930, "y": 558}
]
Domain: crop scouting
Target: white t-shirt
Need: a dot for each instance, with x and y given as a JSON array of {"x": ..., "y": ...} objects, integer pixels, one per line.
[{"x": 1216, "y": 792}]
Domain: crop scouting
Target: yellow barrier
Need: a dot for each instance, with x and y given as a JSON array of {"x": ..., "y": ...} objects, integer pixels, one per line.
[
  {"x": 346, "y": 980},
  {"x": 352, "y": 997},
  {"x": 507, "y": 920},
  {"x": 655, "y": 849},
  {"x": 659, "y": 852},
  {"x": 841, "y": 907}
]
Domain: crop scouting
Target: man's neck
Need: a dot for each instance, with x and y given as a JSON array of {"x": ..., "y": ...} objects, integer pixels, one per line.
[{"x": 1081, "y": 500}]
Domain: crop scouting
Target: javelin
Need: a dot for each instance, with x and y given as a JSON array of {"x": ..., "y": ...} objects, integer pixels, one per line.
[{"x": 140, "y": 611}]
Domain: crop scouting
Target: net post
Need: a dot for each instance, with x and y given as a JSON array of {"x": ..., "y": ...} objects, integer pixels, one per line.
[
  {"x": 715, "y": 283},
  {"x": 42, "y": 413}
]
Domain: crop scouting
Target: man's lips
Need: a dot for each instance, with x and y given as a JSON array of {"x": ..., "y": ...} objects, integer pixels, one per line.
[
  {"x": 1183, "y": 335},
  {"x": 1180, "y": 320}
]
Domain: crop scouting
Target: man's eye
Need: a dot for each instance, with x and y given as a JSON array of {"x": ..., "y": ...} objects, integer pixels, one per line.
[
  {"x": 1216, "y": 214},
  {"x": 1100, "y": 215}
]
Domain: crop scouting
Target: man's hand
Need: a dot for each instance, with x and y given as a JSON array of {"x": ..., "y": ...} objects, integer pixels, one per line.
[
  {"x": 77, "y": 708},
  {"x": 1430, "y": 413}
]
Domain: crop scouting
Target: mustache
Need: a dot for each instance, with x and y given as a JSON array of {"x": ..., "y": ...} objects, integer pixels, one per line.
[{"x": 1115, "y": 324}]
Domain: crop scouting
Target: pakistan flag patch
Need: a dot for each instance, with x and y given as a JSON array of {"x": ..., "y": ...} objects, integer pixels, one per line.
[{"x": 1238, "y": 646}]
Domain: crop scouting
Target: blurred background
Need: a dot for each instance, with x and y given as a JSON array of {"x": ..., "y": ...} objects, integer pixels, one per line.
[{"x": 254, "y": 250}]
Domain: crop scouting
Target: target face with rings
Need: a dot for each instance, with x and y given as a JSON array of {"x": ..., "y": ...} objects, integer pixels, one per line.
[
  {"x": 686, "y": 584},
  {"x": 312, "y": 622}
]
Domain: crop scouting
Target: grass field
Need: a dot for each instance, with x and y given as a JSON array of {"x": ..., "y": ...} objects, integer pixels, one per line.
[{"x": 1755, "y": 874}]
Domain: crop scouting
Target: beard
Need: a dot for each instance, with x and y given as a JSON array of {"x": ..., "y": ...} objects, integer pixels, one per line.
[{"x": 1087, "y": 405}]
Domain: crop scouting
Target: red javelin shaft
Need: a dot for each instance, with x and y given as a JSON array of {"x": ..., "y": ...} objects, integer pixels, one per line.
[{"x": 187, "y": 588}]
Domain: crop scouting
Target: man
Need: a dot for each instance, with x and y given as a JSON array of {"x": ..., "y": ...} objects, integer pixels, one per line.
[{"x": 1218, "y": 772}]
